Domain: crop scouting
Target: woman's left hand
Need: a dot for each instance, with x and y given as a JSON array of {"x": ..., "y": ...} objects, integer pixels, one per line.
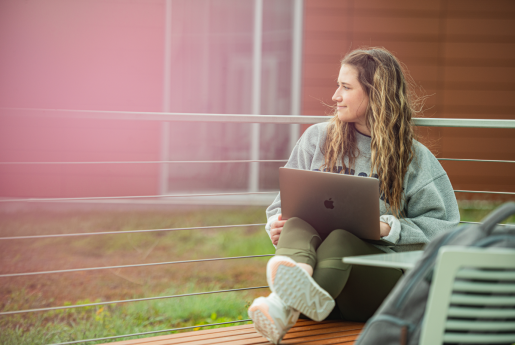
[{"x": 384, "y": 229}]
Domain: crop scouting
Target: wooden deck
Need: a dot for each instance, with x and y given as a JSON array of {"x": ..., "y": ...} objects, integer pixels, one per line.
[{"x": 305, "y": 332}]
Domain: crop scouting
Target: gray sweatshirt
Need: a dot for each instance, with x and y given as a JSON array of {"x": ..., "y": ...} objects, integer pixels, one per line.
[{"x": 430, "y": 204}]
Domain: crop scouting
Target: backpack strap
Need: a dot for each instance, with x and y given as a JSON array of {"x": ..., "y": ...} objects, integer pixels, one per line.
[{"x": 500, "y": 214}]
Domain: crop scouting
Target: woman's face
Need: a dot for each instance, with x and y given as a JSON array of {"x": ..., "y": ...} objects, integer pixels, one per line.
[{"x": 351, "y": 99}]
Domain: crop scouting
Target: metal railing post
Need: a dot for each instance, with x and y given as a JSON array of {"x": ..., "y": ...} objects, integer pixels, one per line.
[
  {"x": 296, "y": 70},
  {"x": 167, "y": 89},
  {"x": 256, "y": 94}
]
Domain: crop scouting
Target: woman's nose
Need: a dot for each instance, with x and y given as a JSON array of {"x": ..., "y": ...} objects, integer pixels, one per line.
[{"x": 337, "y": 97}]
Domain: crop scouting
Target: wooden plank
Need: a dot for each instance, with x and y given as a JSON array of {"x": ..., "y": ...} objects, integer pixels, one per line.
[
  {"x": 248, "y": 338},
  {"x": 399, "y": 5},
  {"x": 481, "y": 86},
  {"x": 423, "y": 74},
  {"x": 322, "y": 22},
  {"x": 306, "y": 331},
  {"x": 476, "y": 50},
  {"x": 345, "y": 340},
  {"x": 480, "y": 27},
  {"x": 380, "y": 36},
  {"x": 478, "y": 112},
  {"x": 153, "y": 340},
  {"x": 402, "y": 50},
  {"x": 315, "y": 332},
  {"x": 334, "y": 57},
  {"x": 245, "y": 336},
  {"x": 392, "y": 25},
  {"x": 481, "y": 7},
  {"x": 480, "y": 74},
  {"x": 474, "y": 62},
  {"x": 200, "y": 333},
  {"x": 253, "y": 335},
  {"x": 479, "y": 98}
]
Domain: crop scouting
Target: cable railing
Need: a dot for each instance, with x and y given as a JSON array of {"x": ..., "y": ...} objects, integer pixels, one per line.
[
  {"x": 224, "y": 161},
  {"x": 482, "y": 192},
  {"x": 239, "y": 118},
  {"x": 188, "y": 195},
  {"x": 130, "y": 300},
  {"x": 160, "y": 196},
  {"x": 152, "y": 332},
  {"x": 10, "y": 275},
  {"x": 150, "y": 116},
  {"x": 153, "y": 162},
  {"x": 76, "y": 234},
  {"x": 131, "y": 231},
  {"x": 119, "y": 232}
]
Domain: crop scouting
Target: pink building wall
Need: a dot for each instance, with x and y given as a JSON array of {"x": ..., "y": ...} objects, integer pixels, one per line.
[
  {"x": 109, "y": 55},
  {"x": 84, "y": 54}
]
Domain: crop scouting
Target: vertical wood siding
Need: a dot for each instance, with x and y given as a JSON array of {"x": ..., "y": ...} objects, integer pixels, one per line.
[{"x": 461, "y": 53}]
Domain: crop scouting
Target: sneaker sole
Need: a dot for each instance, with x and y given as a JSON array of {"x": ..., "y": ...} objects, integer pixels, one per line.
[
  {"x": 264, "y": 323},
  {"x": 298, "y": 290}
]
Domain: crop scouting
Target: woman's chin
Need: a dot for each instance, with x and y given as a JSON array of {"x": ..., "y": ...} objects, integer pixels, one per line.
[{"x": 343, "y": 118}]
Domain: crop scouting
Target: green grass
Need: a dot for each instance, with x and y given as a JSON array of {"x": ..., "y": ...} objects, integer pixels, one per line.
[
  {"x": 112, "y": 320},
  {"x": 127, "y": 318},
  {"x": 475, "y": 211}
]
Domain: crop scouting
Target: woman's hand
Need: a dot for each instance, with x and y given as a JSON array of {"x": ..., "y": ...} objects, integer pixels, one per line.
[
  {"x": 384, "y": 229},
  {"x": 275, "y": 230}
]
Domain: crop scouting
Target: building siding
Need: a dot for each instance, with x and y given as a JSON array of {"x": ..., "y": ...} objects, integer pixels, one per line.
[{"x": 460, "y": 52}]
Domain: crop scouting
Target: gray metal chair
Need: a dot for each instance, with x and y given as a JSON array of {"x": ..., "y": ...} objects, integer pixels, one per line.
[{"x": 472, "y": 298}]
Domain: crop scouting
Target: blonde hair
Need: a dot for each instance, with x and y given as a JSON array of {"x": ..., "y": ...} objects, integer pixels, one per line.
[{"x": 388, "y": 117}]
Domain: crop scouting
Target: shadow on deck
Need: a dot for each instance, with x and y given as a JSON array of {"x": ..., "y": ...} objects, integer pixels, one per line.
[{"x": 305, "y": 332}]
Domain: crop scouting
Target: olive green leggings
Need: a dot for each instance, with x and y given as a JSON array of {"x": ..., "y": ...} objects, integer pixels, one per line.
[{"x": 358, "y": 290}]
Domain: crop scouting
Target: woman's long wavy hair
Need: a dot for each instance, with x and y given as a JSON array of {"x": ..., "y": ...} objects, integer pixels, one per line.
[{"x": 392, "y": 103}]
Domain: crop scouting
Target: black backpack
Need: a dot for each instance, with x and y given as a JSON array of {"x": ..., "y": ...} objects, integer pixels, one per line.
[{"x": 399, "y": 320}]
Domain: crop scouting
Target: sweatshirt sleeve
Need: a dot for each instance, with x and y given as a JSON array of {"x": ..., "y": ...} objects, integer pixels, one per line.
[
  {"x": 301, "y": 158},
  {"x": 430, "y": 209}
]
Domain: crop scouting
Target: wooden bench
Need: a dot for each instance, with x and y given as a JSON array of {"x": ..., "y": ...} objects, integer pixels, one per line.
[{"x": 305, "y": 332}]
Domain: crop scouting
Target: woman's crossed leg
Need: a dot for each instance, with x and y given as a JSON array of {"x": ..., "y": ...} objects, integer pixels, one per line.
[{"x": 302, "y": 253}]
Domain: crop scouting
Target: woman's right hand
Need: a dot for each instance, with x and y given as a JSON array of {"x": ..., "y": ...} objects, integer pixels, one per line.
[{"x": 275, "y": 229}]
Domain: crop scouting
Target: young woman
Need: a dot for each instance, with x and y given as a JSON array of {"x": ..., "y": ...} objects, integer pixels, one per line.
[{"x": 371, "y": 134}]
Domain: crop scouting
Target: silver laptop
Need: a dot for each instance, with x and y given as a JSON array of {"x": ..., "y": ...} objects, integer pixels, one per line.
[{"x": 329, "y": 201}]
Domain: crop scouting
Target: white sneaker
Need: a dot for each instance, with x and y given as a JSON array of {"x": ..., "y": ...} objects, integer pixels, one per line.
[
  {"x": 272, "y": 318},
  {"x": 297, "y": 289}
]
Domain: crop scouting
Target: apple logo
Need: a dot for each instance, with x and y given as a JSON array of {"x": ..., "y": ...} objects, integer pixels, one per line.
[{"x": 329, "y": 204}]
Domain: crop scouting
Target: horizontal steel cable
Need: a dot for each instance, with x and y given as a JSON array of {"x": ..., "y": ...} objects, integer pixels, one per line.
[
  {"x": 225, "y": 161},
  {"x": 483, "y": 192},
  {"x": 128, "y": 266},
  {"x": 131, "y": 197},
  {"x": 150, "y": 332},
  {"x": 129, "y": 231},
  {"x": 482, "y": 223},
  {"x": 154, "y": 162},
  {"x": 238, "y": 118},
  {"x": 126, "y": 301},
  {"x": 186, "y": 195},
  {"x": 139, "y": 231}
]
